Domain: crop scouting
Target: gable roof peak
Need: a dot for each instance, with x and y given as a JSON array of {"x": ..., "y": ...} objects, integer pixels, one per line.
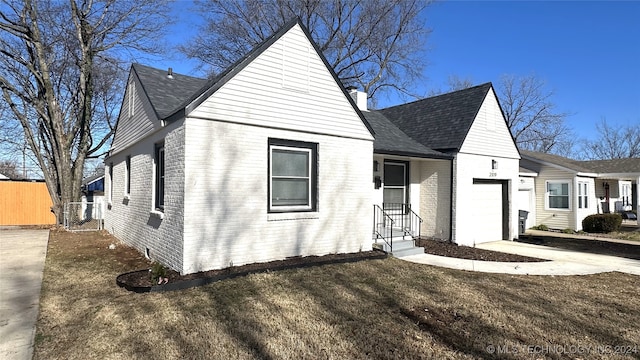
[{"x": 440, "y": 122}]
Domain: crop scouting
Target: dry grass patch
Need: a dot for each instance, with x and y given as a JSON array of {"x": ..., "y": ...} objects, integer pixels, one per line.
[{"x": 387, "y": 309}]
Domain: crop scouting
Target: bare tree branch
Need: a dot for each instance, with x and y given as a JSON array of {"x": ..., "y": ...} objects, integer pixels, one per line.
[
  {"x": 613, "y": 142},
  {"x": 530, "y": 114},
  {"x": 59, "y": 71},
  {"x": 377, "y": 45}
]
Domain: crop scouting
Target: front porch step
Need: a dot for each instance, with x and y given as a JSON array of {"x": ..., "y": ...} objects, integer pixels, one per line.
[{"x": 401, "y": 247}]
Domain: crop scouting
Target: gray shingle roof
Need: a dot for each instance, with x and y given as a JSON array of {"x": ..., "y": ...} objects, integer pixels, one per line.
[
  {"x": 630, "y": 165},
  {"x": 440, "y": 122},
  {"x": 166, "y": 94},
  {"x": 557, "y": 160},
  {"x": 391, "y": 140}
]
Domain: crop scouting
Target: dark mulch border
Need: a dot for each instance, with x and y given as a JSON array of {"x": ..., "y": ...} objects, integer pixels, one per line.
[
  {"x": 448, "y": 249},
  {"x": 601, "y": 246},
  {"x": 131, "y": 280}
]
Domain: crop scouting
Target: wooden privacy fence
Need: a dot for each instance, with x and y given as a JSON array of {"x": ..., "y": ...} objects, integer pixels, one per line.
[{"x": 25, "y": 203}]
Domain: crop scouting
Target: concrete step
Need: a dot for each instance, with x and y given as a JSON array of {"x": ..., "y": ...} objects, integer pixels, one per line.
[
  {"x": 400, "y": 246},
  {"x": 407, "y": 252}
]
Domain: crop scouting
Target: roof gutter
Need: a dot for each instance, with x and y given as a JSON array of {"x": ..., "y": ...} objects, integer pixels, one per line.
[{"x": 412, "y": 154}]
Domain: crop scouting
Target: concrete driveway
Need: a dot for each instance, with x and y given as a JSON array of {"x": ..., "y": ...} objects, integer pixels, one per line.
[{"x": 22, "y": 255}]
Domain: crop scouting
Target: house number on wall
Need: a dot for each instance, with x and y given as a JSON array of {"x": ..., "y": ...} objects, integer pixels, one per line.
[{"x": 493, "y": 174}]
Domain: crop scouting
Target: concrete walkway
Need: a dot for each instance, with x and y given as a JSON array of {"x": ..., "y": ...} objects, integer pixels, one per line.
[
  {"x": 22, "y": 255},
  {"x": 563, "y": 262}
]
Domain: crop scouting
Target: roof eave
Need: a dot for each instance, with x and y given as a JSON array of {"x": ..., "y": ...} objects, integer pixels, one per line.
[
  {"x": 557, "y": 166},
  {"x": 619, "y": 175},
  {"x": 413, "y": 154}
]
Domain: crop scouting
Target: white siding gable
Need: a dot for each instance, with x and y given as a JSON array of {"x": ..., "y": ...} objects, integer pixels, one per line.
[
  {"x": 489, "y": 134},
  {"x": 286, "y": 87},
  {"x": 134, "y": 125}
]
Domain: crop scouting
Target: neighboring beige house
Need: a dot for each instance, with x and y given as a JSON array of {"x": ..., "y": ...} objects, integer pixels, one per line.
[
  {"x": 274, "y": 158},
  {"x": 566, "y": 191}
]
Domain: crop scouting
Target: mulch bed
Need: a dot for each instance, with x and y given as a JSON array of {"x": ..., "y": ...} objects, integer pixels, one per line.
[
  {"x": 443, "y": 248},
  {"x": 140, "y": 281}
]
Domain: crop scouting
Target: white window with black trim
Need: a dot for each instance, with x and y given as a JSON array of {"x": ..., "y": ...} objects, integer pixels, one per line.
[
  {"x": 127, "y": 175},
  {"x": 583, "y": 195},
  {"x": 558, "y": 195},
  {"x": 293, "y": 176},
  {"x": 159, "y": 177},
  {"x": 110, "y": 195}
]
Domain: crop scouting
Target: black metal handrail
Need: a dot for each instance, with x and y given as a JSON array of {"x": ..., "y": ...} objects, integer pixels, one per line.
[
  {"x": 382, "y": 220},
  {"x": 403, "y": 215},
  {"x": 395, "y": 215}
]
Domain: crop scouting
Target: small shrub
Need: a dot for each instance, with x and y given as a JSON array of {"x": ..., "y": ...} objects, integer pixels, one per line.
[
  {"x": 602, "y": 223},
  {"x": 158, "y": 272},
  {"x": 568, "y": 231},
  {"x": 541, "y": 227}
]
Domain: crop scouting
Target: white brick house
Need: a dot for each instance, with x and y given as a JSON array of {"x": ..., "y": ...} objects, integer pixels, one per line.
[
  {"x": 466, "y": 185},
  {"x": 248, "y": 167},
  {"x": 273, "y": 158}
]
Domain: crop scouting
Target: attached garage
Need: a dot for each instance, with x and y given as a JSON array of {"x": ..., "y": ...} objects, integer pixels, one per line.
[{"x": 490, "y": 210}]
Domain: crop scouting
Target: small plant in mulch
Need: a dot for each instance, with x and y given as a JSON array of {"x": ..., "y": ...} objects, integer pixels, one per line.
[
  {"x": 541, "y": 227},
  {"x": 159, "y": 274},
  {"x": 568, "y": 231}
]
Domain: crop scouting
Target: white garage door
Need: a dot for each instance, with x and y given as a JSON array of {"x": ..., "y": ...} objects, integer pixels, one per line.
[{"x": 487, "y": 214}]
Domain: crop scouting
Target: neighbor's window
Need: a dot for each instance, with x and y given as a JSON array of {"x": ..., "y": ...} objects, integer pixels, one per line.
[
  {"x": 159, "y": 177},
  {"x": 558, "y": 195},
  {"x": 292, "y": 175},
  {"x": 583, "y": 195},
  {"x": 127, "y": 174}
]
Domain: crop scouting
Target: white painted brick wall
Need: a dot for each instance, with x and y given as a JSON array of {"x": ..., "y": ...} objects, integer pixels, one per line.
[
  {"x": 132, "y": 220},
  {"x": 226, "y": 219},
  {"x": 435, "y": 191}
]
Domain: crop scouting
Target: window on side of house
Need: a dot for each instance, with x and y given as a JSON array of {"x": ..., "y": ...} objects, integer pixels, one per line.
[
  {"x": 558, "y": 195},
  {"x": 159, "y": 177},
  {"x": 127, "y": 174},
  {"x": 583, "y": 195},
  {"x": 292, "y": 176},
  {"x": 110, "y": 197}
]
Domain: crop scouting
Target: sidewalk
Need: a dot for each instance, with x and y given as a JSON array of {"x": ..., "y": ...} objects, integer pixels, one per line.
[
  {"x": 562, "y": 262},
  {"x": 22, "y": 255}
]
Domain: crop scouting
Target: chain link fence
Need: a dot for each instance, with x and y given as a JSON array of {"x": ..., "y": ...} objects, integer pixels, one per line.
[{"x": 83, "y": 215}]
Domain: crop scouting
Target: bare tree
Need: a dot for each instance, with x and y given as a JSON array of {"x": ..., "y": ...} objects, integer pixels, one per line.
[
  {"x": 613, "y": 142},
  {"x": 376, "y": 45},
  {"x": 60, "y": 66},
  {"x": 531, "y": 115},
  {"x": 10, "y": 169}
]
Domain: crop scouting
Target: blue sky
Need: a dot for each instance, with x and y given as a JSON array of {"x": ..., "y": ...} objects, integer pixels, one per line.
[{"x": 587, "y": 52}]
